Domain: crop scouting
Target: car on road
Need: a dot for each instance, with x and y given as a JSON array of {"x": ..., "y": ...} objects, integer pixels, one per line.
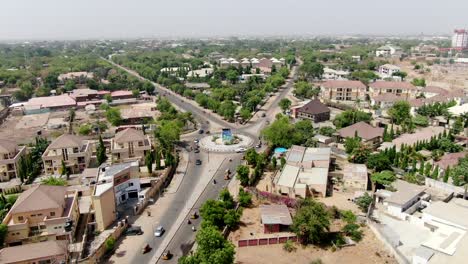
[
  {"x": 134, "y": 231},
  {"x": 159, "y": 231},
  {"x": 198, "y": 162},
  {"x": 197, "y": 150},
  {"x": 201, "y": 131},
  {"x": 240, "y": 150},
  {"x": 263, "y": 114},
  {"x": 259, "y": 145},
  {"x": 196, "y": 140},
  {"x": 166, "y": 255}
]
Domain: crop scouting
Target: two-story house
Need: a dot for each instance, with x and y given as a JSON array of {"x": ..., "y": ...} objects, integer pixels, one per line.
[
  {"x": 75, "y": 152},
  {"x": 387, "y": 70},
  {"x": 42, "y": 213},
  {"x": 341, "y": 90},
  {"x": 403, "y": 89},
  {"x": 314, "y": 110},
  {"x": 10, "y": 155},
  {"x": 130, "y": 145}
]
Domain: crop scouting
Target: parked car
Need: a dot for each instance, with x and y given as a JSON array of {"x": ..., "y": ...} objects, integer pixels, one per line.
[
  {"x": 196, "y": 141},
  {"x": 198, "y": 162},
  {"x": 263, "y": 114},
  {"x": 201, "y": 131},
  {"x": 133, "y": 231},
  {"x": 159, "y": 231},
  {"x": 197, "y": 150}
]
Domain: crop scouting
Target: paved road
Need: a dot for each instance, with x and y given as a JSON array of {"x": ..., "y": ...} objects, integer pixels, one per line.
[{"x": 183, "y": 239}]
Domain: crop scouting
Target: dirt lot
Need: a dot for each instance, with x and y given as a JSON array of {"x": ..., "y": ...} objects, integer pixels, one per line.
[{"x": 368, "y": 251}]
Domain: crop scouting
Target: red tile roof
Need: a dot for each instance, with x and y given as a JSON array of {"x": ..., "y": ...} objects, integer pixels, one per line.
[
  {"x": 450, "y": 159},
  {"x": 314, "y": 107},
  {"x": 364, "y": 131},
  {"x": 344, "y": 84},
  {"x": 388, "y": 97},
  {"x": 392, "y": 85}
]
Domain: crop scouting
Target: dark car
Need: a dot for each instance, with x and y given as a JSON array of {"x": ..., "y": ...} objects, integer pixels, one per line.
[
  {"x": 198, "y": 162},
  {"x": 133, "y": 231},
  {"x": 201, "y": 131},
  {"x": 263, "y": 114},
  {"x": 197, "y": 150}
]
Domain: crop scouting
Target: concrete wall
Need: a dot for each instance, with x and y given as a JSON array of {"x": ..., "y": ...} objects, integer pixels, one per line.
[{"x": 105, "y": 209}]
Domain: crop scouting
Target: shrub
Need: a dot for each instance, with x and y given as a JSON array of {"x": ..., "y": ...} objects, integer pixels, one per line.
[
  {"x": 289, "y": 246},
  {"x": 110, "y": 244}
]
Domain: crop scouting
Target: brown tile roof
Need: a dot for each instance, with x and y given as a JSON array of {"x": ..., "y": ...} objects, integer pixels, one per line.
[
  {"x": 392, "y": 85},
  {"x": 33, "y": 251},
  {"x": 129, "y": 135},
  {"x": 7, "y": 146},
  {"x": 40, "y": 197},
  {"x": 387, "y": 97},
  {"x": 66, "y": 141},
  {"x": 364, "y": 131},
  {"x": 275, "y": 214},
  {"x": 63, "y": 100},
  {"x": 434, "y": 89},
  {"x": 417, "y": 102},
  {"x": 314, "y": 107},
  {"x": 450, "y": 159},
  {"x": 344, "y": 84}
]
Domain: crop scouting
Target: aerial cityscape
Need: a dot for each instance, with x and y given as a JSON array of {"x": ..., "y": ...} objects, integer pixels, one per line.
[{"x": 244, "y": 133}]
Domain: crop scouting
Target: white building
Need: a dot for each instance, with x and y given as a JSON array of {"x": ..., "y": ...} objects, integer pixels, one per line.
[
  {"x": 460, "y": 39},
  {"x": 387, "y": 70},
  {"x": 388, "y": 51},
  {"x": 122, "y": 177},
  {"x": 331, "y": 74}
]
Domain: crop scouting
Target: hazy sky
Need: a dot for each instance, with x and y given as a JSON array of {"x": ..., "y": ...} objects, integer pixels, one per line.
[{"x": 83, "y": 19}]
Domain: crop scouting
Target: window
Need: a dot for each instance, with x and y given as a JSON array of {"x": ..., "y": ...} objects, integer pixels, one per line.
[
  {"x": 33, "y": 215},
  {"x": 52, "y": 213},
  {"x": 130, "y": 184},
  {"x": 39, "y": 214},
  {"x": 20, "y": 218}
]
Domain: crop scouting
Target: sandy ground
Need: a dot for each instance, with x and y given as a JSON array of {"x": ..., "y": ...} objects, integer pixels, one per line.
[{"x": 369, "y": 250}]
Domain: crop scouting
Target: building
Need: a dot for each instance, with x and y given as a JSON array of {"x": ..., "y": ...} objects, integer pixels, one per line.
[
  {"x": 275, "y": 218},
  {"x": 431, "y": 91},
  {"x": 122, "y": 94},
  {"x": 403, "y": 89},
  {"x": 338, "y": 91},
  {"x": 49, "y": 103},
  {"x": 130, "y": 145},
  {"x": 405, "y": 200},
  {"x": 460, "y": 39},
  {"x": 370, "y": 135},
  {"x": 124, "y": 178},
  {"x": 388, "y": 51},
  {"x": 41, "y": 252},
  {"x": 85, "y": 94},
  {"x": 104, "y": 205},
  {"x": 75, "y": 152},
  {"x": 423, "y": 134},
  {"x": 387, "y": 70},
  {"x": 313, "y": 110},
  {"x": 10, "y": 154},
  {"x": 305, "y": 173},
  {"x": 135, "y": 116},
  {"x": 42, "y": 213},
  {"x": 459, "y": 110},
  {"x": 355, "y": 176},
  {"x": 200, "y": 73},
  {"x": 331, "y": 74}
]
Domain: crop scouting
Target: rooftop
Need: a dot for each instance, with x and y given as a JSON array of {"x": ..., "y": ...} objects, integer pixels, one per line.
[
  {"x": 344, "y": 84},
  {"x": 40, "y": 197},
  {"x": 364, "y": 131},
  {"x": 33, "y": 251},
  {"x": 450, "y": 159},
  {"x": 392, "y": 85},
  {"x": 66, "y": 141},
  {"x": 7, "y": 146},
  {"x": 419, "y": 135},
  {"x": 129, "y": 135},
  {"x": 455, "y": 211},
  {"x": 314, "y": 107},
  {"x": 63, "y": 100},
  {"x": 405, "y": 192},
  {"x": 275, "y": 214},
  {"x": 355, "y": 172}
]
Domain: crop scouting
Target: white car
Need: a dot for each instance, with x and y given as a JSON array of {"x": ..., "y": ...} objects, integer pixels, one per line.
[
  {"x": 159, "y": 231},
  {"x": 240, "y": 150}
]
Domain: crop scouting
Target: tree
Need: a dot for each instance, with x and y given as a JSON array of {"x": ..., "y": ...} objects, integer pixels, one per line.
[
  {"x": 251, "y": 156},
  {"x": 379, "y": 162},
  {"x": 352, "y": 143},
  {"x": 149, "y": 159},
  {"x": 227, "y": 109},
  {"x": 101, "y": 152},
  {"x": 113, "y": 116},
  {"x": 212, "y": 248},
  {"x": 244, "y": 198},
  {"x": 232, "y": 76},
  {"x": 243, "y": 174},
  {"x": 110, "y": 244},
  {"x": 284, "y": 103},
  {"x": 447, "y": 174},
  {"x": 419, "y": 82},
  {"x": 459, "y": 174},
  {"x": 326, "y": 131},
  {"x": 213, "y": 212},
  {"x": 384, "y": 178},
  {"x": 311, "y": 222},
  {"x": 350, "y": 117},
  {"x": 85, "y": 129},
  {"x": 69, "y": 85},
  {"x": 168, "y": 133},
  {"x": 313, "y": 70},
  {"x": 64, "y": 170},
  {"x": 305, "y": 90},
  {"x": 108, "y": 98},
  {"x": 435, "y": 173},
  {"x": 232, "y": 218},
  {"x": 364, "y": 202},
  {"x": 281, "y": 133},
  {"x": 226, "y": 198},
  {"x": 420, "y": 120},
  {"x": 400, "y": 112},
  {"x": 359, "y": 155},
  {"x": 3, "y": 233},
  {"x": 54, "y": 181}
]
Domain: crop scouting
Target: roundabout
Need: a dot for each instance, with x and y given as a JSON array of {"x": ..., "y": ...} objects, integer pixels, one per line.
[{"x": 226, "y": 142}]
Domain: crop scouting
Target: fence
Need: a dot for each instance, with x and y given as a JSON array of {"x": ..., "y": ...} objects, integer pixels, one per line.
[
  {"x": 265, "y": 241},
  {"x": 443, "y": 186},
  {"x": 376, "y": 229},
  {"x": 274, "y": 198}
]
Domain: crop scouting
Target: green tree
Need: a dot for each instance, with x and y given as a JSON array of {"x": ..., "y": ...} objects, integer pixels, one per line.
[
  {"x": 101, "y": 152},
  {"x": 350, "y": 117},
  {"x": 110, "y": 244},
  {"x": 213, "y": 212},
  {"x": 54, "y": 181},
  {"x": 3, "y": 233},
  {"x": 149, "y": 160},
  {"x": 281, "y": 133},
  {"x": 251, "y": 156},
  {"x": 85, "y": 129},
  {"x": 69, "y": 85},
  {"x": 232, "y": 218},
  {"x": 400, "y": 112},
  {"x": 459, "y": 174},
  {"x": 419, "y": 82},
  {"x": 226, "y": 198},
  {"x": 113, "y": 116},
  {"x": 379, "y": 162},
  {"x": 243, "y": 174},
  {"x": 284, "y": 103},
  {"x": 311, "y": 222},
  {"x": 244, "y": 198},
  {"x": 108, "y": 98},
  {"x": 352, "y": 143},
  {"x": 326, "y": 131},
  {"x": 245, "y": 113},
  {"x": 447, "y": 174},
  {"x": 364, "y": 202},
  {"x": 435, "y": 173},
  {"x": 304, "y": 89},
  {"x": 227, "y": 109},
  {"x": 384, "y": 178},
  {"x": 64, "y": 170}
]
